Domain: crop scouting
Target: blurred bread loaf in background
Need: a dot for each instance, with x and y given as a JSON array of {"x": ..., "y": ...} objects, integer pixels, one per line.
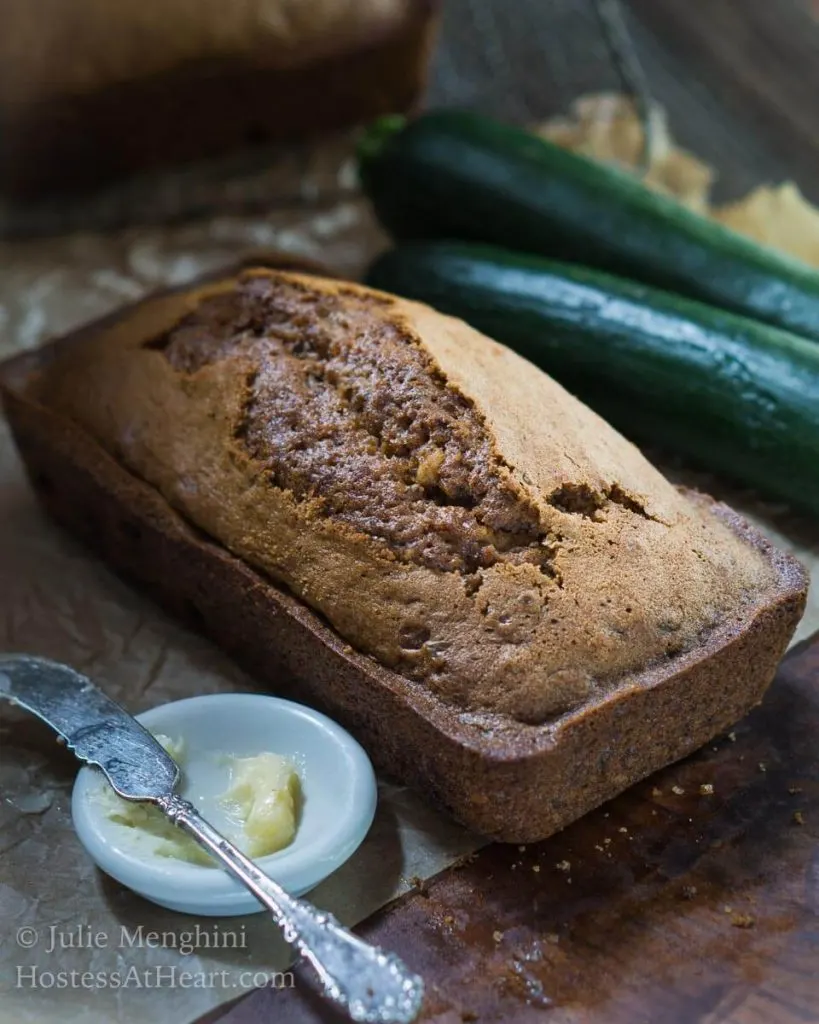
[{"x": 92, "y": 90}]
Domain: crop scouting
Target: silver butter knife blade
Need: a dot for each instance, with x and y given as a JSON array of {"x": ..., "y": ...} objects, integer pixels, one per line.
[{"x": 93, "y": 726}]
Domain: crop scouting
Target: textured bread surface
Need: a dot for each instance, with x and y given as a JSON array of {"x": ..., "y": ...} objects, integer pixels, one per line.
[
  {"x": 508, "y": 779},
  {"x": 446, "y": 508}
]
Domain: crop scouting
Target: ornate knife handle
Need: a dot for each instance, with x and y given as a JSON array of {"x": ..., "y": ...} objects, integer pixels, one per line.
[{"x": 370, "y": 985}]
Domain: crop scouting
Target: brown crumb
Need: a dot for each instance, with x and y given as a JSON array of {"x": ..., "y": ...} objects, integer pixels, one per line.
[
  {"x": 706, "y": 789},
  {"x": 798, "y": 818},
  {"x": 521, "y": 848},
  {"x": 597, "y": 846},
  {"x": 793, "y": 790},
  {"x": 449, "y": 919},
  {"x": 689, "y": 892},
  {"x": 468, "y": 1016},
  {"x": 656, "y": 791},
  {"x": 536, "y": 868},
  {"x": 464, "y": 859},
  {"x": 418, "y": 885},
  {"x": 622, "y": 829},
  {"x": 563, "y": 865},
  {"x": 678, "y": 791},
  {"x": 727, "y": 909},
  {"x": 497, "y": 936},
  {"x": 742, "y": 921},
  {"x": 732, "y": 736},
  {"x": 606, "y": 842},
  {"x": 553, "y": 937}
]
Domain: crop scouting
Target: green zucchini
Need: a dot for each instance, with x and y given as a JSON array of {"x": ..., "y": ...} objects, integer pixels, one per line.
[
  {"x": 459, "y": 175},
  {"x": 733, "y": 395}
]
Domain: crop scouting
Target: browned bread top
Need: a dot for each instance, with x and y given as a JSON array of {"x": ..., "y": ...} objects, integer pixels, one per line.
[{"x": 448, "y": 508}]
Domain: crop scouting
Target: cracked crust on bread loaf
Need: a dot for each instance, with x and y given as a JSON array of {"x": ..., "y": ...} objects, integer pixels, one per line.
[{"x": 448, "y": 509}]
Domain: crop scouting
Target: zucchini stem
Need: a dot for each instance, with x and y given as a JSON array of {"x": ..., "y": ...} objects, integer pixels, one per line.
[{"x": 375, "y": 138}]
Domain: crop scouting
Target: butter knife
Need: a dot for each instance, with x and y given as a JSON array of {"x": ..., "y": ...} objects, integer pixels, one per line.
[{"x": 368, "y": 984}]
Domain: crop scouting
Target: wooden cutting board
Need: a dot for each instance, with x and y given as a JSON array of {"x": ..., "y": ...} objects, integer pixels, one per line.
[{"x": 669, "y": 905}]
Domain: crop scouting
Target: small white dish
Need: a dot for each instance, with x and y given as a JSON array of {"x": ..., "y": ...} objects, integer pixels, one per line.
[{"x": 337, "y": 807}]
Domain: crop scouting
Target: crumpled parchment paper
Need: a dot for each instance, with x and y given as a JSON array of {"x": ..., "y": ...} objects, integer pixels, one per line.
[{"x": 57, "y": 600}]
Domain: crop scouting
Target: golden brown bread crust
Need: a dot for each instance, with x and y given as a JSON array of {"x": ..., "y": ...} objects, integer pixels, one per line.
[
  {"x": 91, "y": 90},
  {"x": 515, "y": 782},
  {"x": 512, "y": 781},
  {"x": 447, "y": 508}
]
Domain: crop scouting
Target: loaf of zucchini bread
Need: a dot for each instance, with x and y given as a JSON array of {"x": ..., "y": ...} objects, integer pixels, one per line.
[{"x": 455, "y": 520}]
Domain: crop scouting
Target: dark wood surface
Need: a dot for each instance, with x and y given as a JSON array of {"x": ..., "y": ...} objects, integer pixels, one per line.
[
  {"x": 668, "y": 905},
  {"x": 741, "y": 78}
]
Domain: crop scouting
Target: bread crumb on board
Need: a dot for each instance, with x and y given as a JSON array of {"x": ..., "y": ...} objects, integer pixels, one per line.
[
  {"x": 417, "y": 885},
  {"x": 706, "y": 789}
]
